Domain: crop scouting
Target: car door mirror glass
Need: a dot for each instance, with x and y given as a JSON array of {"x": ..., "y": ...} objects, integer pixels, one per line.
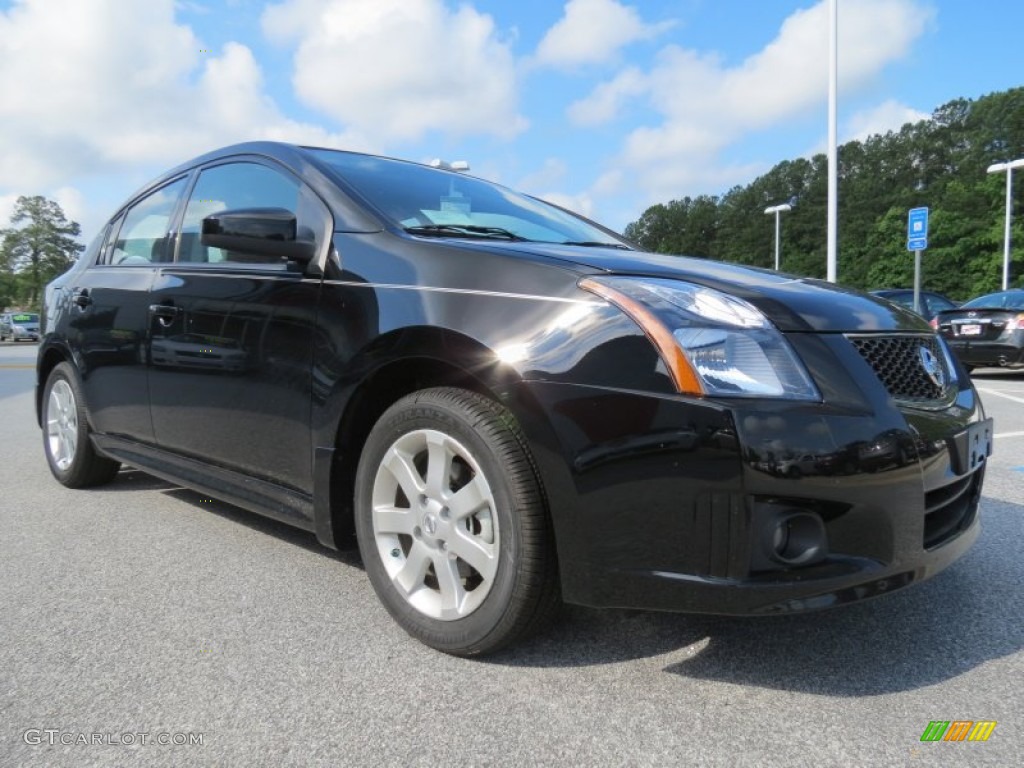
[{"x": 271, "y": 232}]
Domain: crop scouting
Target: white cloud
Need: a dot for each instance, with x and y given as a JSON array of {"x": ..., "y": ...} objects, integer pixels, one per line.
[
  {"x": 607, "y": 99},
  {"x": 71, "y": 201},
  {"x": 7, "y": 203},
  {"x": 552, "y": 172},
  {"x": 706, "y": 106},
  {"x": 591, "y": 32},
  {"x": 99, "y": 86},
  {"x": 581, "y": 203},
  {"x": 188, "y": 6},
  {"x": 890, "y": 115},
  {"x": 398, "y": 69}
]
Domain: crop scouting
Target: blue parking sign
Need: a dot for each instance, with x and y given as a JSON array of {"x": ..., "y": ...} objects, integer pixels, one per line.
[{"x": 917, "y": 229}]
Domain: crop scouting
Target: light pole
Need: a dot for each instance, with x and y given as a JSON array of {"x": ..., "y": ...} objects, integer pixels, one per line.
[
  {"x": 831, "y": 266},
  {"x": 1008, "y": 168},
  {"x": 777, "y": 209}
]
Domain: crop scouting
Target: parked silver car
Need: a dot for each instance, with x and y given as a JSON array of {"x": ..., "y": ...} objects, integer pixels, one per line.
[{"x": 19, "y": 326}]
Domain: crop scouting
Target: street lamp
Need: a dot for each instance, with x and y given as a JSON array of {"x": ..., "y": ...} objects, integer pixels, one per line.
[
  {"x": 777, "y": 209},
  {"x": 1008, "y": 168},
  {"x": 832, "y": 242}
]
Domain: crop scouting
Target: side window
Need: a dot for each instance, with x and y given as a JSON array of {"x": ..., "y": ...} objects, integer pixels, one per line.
[
  {"x": 904, "y": 300},
  {"x": 111, "y": 242},
  {"x": 938, "y": 304},
  {"x": 230, "y": 187},
  {"x": 142, "y": 235}
]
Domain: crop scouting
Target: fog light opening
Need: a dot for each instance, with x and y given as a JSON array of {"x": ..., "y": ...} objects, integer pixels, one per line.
[{"x": 797, "y": 538}]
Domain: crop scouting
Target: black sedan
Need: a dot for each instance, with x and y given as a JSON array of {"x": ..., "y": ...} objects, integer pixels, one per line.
[
  {"x": 931, "y": 303},
  {"x": 986, "y": 331},
  {"x": 508, "y": 405}
]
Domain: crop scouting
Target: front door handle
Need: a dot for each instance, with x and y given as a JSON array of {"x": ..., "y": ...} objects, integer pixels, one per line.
[
  {"x": 81, "y": 298},
  {"x": 164, "y": 313}
]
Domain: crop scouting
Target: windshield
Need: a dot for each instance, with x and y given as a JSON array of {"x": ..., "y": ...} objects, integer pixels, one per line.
[
  {"x": 1002, "y": 300},
  {"x": 23, "y": 319},
  {"x": 436, "y": 203}
]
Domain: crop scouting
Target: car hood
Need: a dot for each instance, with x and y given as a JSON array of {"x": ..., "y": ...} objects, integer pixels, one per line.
[{"x": 793, "y": 304}]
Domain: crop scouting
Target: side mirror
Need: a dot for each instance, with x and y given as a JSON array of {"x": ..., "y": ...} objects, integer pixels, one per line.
[{"x": 260, "y": 231}]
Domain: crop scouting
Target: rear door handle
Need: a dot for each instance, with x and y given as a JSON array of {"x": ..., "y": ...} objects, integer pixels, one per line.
[{"x": 164, "y": 313}]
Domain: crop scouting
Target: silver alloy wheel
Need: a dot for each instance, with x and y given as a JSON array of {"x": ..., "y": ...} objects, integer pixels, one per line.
[
  {"x": 435, "y": 524},
  {"x": 62, "y": 424}
]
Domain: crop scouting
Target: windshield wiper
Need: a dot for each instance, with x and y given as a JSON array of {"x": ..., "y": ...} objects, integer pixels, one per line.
[
  {"x": 597, "y": 244},
  {"x": 463, "y": 230}
]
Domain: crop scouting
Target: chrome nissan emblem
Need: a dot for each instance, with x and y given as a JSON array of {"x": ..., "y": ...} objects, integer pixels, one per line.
[
  {"x": 430, "y": 525},
  {"x": 932, "y": 367}
]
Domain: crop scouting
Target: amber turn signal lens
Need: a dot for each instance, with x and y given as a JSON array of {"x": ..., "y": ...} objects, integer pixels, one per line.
[{"x": 683, "y": 376}]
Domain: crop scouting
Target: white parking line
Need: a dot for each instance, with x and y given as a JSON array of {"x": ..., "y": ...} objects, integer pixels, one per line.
[
  {"x": 1008, "y": 434},
  {"x": 997, "y": 393}
]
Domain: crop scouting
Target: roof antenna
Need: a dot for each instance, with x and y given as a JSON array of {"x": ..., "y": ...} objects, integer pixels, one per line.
[{"x": 461, "y": 166}]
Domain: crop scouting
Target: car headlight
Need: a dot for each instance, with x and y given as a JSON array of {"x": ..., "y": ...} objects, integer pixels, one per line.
[{"x": 712, "y": 343}]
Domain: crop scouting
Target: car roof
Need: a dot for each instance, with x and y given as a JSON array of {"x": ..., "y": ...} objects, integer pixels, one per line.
[
  {"x": 293, "y": 156},
  {"x": 890, "y": 291}
]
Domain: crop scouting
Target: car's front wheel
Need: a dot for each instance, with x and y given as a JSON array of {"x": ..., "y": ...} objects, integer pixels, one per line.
[
  {"x": 69, "y": 451},
  {"x": 452, "y": 524}
]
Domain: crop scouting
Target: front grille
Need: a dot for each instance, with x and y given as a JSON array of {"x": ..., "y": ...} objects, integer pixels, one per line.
[{"x": 899, "y": 363}]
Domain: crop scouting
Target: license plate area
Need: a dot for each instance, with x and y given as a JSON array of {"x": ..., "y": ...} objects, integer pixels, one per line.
[
  {"x": 972, "y": 329},
  {"x": 970, "y": 448}
]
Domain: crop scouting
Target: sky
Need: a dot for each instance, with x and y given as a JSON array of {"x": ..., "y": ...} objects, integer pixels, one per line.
[{"x": 604, "y": 106}]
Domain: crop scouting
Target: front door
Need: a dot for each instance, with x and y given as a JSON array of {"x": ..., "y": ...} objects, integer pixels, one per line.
[{"x": 231, "y": 347}]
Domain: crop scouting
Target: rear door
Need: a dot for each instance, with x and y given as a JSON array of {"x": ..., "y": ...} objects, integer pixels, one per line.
[
  {"x": 108, "y": 320},
  {"x": 232, "y": 334}
]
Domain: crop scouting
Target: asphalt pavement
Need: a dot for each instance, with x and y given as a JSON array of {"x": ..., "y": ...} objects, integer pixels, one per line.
[{"x": 141, "y": 612}]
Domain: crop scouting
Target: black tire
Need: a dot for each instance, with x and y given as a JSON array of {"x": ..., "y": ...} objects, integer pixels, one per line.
[
  {"x": 522, "y": 595},
  {"x": 86, "y": 467}
]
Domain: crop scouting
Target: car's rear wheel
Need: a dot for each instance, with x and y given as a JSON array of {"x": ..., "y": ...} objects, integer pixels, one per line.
[
  {"x": 69, "y": 451},
  {"x": 452, "y": 524}
]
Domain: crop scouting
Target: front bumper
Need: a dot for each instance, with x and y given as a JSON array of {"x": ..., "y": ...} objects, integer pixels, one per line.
[{"x": 658, "y": 502}]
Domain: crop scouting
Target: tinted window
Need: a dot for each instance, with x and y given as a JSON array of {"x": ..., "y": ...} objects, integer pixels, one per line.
[
  {"x": 142, "y": 237},
  {"x": 413, "y": 196},
  {"x": 230, "y": 187},
  {"x": 1003, "y": 300},
  {"x": 906, "y": 299},
  {"x": 938, "y": 304}
]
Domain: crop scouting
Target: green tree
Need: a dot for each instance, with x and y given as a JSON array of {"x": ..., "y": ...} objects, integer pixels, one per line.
[
  {"x": 8, "y": 281},
  {"x": 687, "y": 227},
  {"x": 940, "y": 162},
  {"x": 40, "y": 244}
]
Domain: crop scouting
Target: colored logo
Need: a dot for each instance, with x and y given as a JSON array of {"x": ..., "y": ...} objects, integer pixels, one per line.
[{"x": 958, "y": 730}]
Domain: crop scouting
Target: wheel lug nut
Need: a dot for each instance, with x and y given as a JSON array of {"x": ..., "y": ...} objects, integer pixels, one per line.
[
  {"x": 417, "y": 532},
  {"x": 444, "y": 512}
]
